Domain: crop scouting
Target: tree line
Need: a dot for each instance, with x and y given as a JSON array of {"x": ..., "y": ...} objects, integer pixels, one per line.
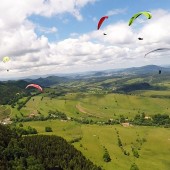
[{"x": 39, "y": 152}]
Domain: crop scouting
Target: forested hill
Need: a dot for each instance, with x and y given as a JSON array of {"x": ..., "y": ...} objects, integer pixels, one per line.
[
  {"x": 9, "y": 89},
  {"x": 135, "y": 86},
  {"x": 49, "y": 81},
  {"x": 39, "y": 152}
]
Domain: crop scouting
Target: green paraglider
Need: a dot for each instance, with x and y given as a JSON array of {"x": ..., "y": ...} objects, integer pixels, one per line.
[{"x": 146, "y": 13}]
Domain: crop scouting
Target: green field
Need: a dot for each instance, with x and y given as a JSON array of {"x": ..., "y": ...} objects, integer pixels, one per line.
[
  {"x": 153, "y": 154},
  {"x": 102, "y": 107},
  {"x": 151, "y": 143}
]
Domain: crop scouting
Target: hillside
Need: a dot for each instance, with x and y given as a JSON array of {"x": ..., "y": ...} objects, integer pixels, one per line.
[
  {"x": 58, "y": 77},
  {"x": 9, "y": 89},
  {"x": 48, "y": 81},
  {"x": 111, "y": 119},
  {"x": 39, "y": 152}
]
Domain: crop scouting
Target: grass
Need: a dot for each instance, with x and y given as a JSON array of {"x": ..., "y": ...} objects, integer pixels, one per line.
[
  {"x": 68, "y": 130},
  {"x": 126, "y": 105},
  {"x": 154, "y": 153},
  {"x": 98, "y": 107}
]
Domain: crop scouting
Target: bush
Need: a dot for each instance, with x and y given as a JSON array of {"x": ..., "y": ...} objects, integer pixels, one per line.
[
  {"x": 106, "y": 156},
  {"x": 48, "y": 129},
  {"x": 134, "y": 167}
]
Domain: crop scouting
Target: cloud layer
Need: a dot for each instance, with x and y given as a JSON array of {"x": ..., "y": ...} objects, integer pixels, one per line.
[{"x": 31, "y": 54}]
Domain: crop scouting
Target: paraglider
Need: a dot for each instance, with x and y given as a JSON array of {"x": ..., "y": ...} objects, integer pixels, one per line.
[
  {"x": 158, "y": 49},
  {"x": 101, "y": 21},
  {"x": 140, "y": 38},
  {"x": 146, "y": 13},
  {"x": 6, "y": 59},
  {"x": 35, "y": 86},
  {"x": 104, "y": 34}
]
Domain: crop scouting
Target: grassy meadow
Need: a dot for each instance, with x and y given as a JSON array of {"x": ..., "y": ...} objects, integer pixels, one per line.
[
  {"x": 101, "y": 106},
  {"x": 96, "y": 103},
  {"x": 153, "y": 153}
]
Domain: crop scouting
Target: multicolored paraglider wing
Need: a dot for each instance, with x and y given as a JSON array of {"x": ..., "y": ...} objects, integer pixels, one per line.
[
  {"x": 158, "y": 49},
  {"x": 6, "y": 59},
  {"x": 101, "y": 21},
  {"x": 147, "y": 14},
  {"x": 36, "y": 86}
]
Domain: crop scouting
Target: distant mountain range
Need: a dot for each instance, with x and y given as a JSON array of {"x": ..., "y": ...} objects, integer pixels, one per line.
[
  {"x": 53, "y": 79},
  {"x": 11, "y": 87},
  {"x": 48, "y": 81},
  {"x": 149, "y": 69}
]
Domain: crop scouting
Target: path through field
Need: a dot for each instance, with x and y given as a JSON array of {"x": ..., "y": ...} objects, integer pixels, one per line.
[{"x": 84, "y": 110}]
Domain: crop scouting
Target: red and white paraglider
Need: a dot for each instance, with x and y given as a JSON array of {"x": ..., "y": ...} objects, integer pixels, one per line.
[{"x": 35, "y": 86}]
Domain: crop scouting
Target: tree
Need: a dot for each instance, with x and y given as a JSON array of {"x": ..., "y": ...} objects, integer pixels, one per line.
[
  {"x": 32, "y": 130},
  {"x": 39, "y": 152},
  {"x": 106, "y": 156},
  {"x": 135, "y": 153},
  {"x": 48, "y": 129},
  {"x": 20, "y": 125},
  {"x": 134, "y": 167},
  {"x": 119, "y": 142}
]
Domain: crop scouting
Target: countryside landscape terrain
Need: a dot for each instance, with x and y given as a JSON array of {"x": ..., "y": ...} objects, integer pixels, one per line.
[
  {"x": 84, "y": 85},
  {"x": 117, "y": 119}
]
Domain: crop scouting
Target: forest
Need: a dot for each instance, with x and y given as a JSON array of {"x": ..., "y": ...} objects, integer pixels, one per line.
[{"x": 39, "y": 152}]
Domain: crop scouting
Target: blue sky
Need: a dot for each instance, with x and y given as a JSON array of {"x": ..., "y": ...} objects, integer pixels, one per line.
[
  {"x": 67, "y": 24},
  {"x": 57, "y": 36}
]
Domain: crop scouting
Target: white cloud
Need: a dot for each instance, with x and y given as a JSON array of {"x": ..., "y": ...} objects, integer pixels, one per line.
[
  {"x": 31, "y": 54},
  {"x": 116, "y": 12},
  {"x": 46, "y": 30}
]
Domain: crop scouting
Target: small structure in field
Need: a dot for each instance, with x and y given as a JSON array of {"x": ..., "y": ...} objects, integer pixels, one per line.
[
  {"x": 127, "y": 124},
  {"x": 147, "y": 117}
]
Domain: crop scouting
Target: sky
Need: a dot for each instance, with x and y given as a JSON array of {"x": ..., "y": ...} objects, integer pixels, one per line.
[{"x": 60, "y": 36}]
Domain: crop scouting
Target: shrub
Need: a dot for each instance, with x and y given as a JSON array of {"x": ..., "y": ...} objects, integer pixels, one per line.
[{"x": 48, "y": 129}]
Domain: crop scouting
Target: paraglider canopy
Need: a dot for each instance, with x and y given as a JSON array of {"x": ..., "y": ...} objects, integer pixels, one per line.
[
  {"x": 101, "y": 21},
  {"x": 145, "y": 13},
  {"x": 6, "y": 59},
  {"x": 158, "y": 49},
  {"x": 35, "y": 86}
]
